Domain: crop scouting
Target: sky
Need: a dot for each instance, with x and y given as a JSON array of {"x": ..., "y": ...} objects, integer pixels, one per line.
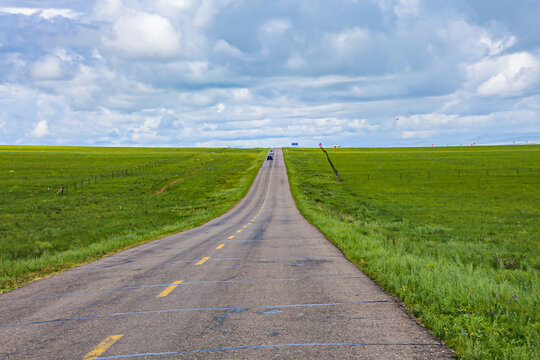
[{"x": 253, "y": 73}]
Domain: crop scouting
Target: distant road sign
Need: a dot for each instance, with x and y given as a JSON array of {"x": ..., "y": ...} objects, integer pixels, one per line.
[{"x": 294, "y": 144}]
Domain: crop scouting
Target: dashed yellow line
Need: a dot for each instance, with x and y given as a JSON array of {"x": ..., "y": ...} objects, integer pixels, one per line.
[
  {"x": 102, "y": 347},
  {"x": 170, "y": 288},
  {"x": 203, "y": 260},
  {"x": 252, "y": 220}
]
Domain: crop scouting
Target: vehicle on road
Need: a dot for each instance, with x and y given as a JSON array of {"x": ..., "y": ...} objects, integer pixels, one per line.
[{"x": 269, "y": 157}]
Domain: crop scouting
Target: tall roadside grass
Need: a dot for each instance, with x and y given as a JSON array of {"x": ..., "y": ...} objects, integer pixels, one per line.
[
  {"x": 453, "y": 232},
  {"x": 43, "y": 231}
]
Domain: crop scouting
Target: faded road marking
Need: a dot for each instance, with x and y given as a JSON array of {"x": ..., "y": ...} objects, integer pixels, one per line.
[
  {"x": 263, "y": 346},
  {"x": 88, "y": 317},
  {"x": 102, "y": 347},
  {"x": 170, "y": 288},
  {"x": 203, "y": 260},
  {"x": 126, "y": 288},
  {"x": 220, "y": 246}
]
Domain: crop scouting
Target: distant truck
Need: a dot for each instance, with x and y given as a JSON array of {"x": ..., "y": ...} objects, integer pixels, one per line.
[
  {"x": 270, "y": 155},
  {"x": 337, "y": 146}
]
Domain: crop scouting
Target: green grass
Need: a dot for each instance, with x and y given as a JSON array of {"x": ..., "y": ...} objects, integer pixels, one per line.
[
  {"x": 42, "y": 232},
  {"x": 453, "y": 232}
]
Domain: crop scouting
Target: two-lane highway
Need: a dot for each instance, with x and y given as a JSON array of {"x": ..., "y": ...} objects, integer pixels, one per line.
[{"x": 257, "y": 282}]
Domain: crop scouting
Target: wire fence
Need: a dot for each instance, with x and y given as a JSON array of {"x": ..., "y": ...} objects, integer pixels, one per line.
[
  {"x": 78, "y": 184},
  {"x": 463, "y": 174}
]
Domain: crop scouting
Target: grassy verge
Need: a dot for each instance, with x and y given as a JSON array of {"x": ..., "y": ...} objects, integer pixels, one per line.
[
  {"x": 453, "y": 232},
  {"x": 111, "y": 201}
]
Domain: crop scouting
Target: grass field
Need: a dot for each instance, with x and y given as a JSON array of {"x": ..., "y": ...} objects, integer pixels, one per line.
[
  {"x": 453, "y": 232},
  {"x": 110, "y": 200}
]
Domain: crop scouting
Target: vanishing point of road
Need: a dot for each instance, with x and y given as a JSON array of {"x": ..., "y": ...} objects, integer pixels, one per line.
[{"x": 259, "y": 282}]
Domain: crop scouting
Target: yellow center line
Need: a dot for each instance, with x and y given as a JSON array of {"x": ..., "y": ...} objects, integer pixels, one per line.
[
  {"x": 203, "y": 260},
  {"x": 170, "y": 288},
  {"x": 230, "y": 237},
  {"x": 239, "y": 231},
  {"x": 245, "y": 226},
  {"x": 220, "y": 246},
  {"x": 102, "y": 347}
]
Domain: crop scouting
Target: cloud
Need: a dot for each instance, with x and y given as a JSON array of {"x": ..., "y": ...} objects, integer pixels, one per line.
[
  {"x": 46, "y": 13},
  {"x": 47, "y": 68},
  {"x": 41, "y": 129},
  {"x": 253, "y": 73},
  {"x": 508, "y": 75},
  {"x": 275, "y": 27},
  {"x": 223, "y": 47},
  {"x": 144, "y": 35},
  {"x": 407, "y": 8}
]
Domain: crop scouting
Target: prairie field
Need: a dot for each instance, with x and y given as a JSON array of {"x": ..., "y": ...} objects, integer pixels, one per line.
[
  {"x": 454, "y": 232},
  {"x": 64, "y": 206}
]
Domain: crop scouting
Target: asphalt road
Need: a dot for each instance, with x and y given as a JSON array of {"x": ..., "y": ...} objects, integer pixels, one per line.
[{"x": 257, "y": 282}]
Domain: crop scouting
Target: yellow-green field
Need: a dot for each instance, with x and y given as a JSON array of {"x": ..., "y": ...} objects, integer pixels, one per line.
[
  {"x": 110, "y": 200},
  {"x": 454, "y": 232}
]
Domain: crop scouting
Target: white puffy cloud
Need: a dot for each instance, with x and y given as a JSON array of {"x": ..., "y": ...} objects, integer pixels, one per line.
[
  {"x": 41, "y": 129},
  {"x": 46, "y": 13},
  {"x": 223, "y": 47},
  {"x": 407, "y": 8},
  {"x": 47, "y": 68},
  {"x": 275, "y": 27},
  {"x": 507, "y": 75},
  {"x": 144, "y": 35}
]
